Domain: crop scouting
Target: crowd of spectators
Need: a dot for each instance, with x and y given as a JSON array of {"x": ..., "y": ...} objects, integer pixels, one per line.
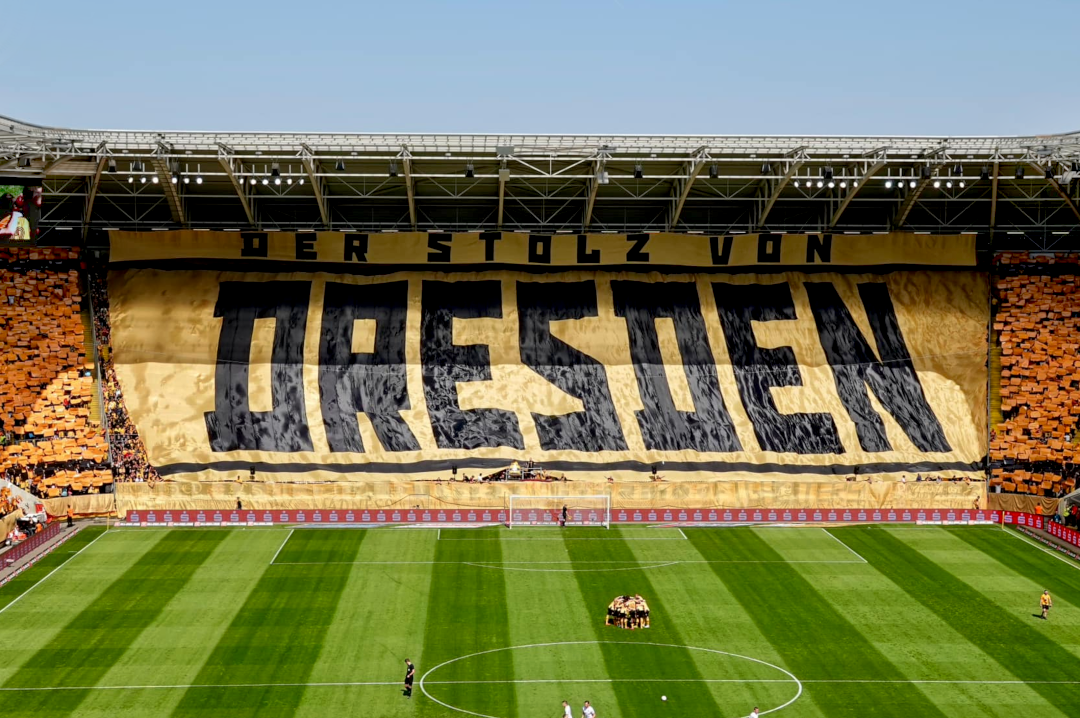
[
  {"x": 128, "y": 453},
  {"x": 1036, "y": 322},
  {"x": 47, "y": 430}
]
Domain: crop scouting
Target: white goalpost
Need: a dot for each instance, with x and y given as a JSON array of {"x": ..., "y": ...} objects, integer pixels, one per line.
[{"x": 548, "y": 511}]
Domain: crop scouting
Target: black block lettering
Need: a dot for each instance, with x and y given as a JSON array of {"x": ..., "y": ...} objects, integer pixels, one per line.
[
  {"x": 637, "y": 253},
  {"x": 356, "y": 247},
  {"x": 439, "y": 244},
  {"x": 232, "y": 426},
  {"x": 663, "y": 427},
  {"x": 584, "y": 254},
  {"x": 758, "y": 370},
  {"x": 539, "y": 249},
  {"x": 597, "y": 427},
  {"x": 489, "y": 239},
  {"x": 255, "y": 244},
  {"x": 305, "y": 246},
  {"x": 893, "y": 378},
  {"x": 768, "y": 248},
  {"x": 445, "y": 364},
  {"x": 721, "y": 256},
  {"x": 819, "y": 248},
  {"x": 374, "y": 383}
]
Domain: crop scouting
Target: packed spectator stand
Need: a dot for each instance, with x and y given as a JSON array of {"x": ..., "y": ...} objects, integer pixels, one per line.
[
  {"x": 1034, "y": 447},
  {"x": 51, "y": 443}
]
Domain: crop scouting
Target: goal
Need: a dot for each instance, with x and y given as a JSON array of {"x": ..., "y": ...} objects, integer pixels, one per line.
[{"x": 548, "y": 511}]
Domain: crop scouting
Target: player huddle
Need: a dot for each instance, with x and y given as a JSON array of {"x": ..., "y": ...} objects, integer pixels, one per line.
[{"x": 628, "y": 612}]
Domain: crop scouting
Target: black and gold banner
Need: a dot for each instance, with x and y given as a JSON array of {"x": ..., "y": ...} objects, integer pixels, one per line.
[
  {"x": 322, "y": 376},
  {"x": 371, "y": 253}
]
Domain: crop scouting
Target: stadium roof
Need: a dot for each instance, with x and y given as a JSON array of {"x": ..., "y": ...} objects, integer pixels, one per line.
[{"x": 98, "y": 179}]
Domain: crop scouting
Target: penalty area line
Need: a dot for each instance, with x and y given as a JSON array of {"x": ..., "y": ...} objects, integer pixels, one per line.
[
  {"x": 1055, "y": 554},
  {"x": 282, "y": 546},
  {"x": 844, "y": 545}
]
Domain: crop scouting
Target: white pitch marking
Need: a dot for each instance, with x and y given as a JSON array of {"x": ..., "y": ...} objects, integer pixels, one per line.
[
  {"x": 789, "y": 674},
  {"x": 278, "y": 552},
  {"x": 438, "y": 536},
  {"x": 343, "y": 684},
  {"x": 1055, "y": 554},
  {"x": 571, "y": 538},
  {"x": 751, "y": 680},
  {"x": 572, "y": 570},
  {"x": 844, "y": 545},
  {"x": 489, "y": 563},
  {"x": 50, "y": 573},
  {"x": 682, "y": 534}
]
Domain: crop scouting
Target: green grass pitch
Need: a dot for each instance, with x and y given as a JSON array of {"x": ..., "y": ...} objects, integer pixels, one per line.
[{"x": 912, "y": 622}]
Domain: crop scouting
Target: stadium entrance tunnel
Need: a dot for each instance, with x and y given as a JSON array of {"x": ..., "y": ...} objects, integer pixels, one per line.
[{"x": 527, "y": 679}]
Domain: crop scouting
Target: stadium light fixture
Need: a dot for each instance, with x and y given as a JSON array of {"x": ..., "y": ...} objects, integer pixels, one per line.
[
  {"x": 112, "y": 166},
  {"x": 275, "y": 169},
  {"x": 962, "y": 184},
  {"x": 1049, "y": 172},
  {"x": 266, "y": 180},
  {"x": 187, "y": 180},
  {"x": 253, "y": 181},
  {"x": 142, "y": 180},
  {"x": 469, "y": 171},
  {"x": 301, "y": 180},
  {"x": 393, "y": 169},
  {"x": 985, "y": 172},
  {"x": 714, "y": 172},
  {"x": 136, "y": 166},
  {"x": 820, "y": 184},
  {"x": 937, "y": 184},
  {"x": 926, "y": 172},
  {"x": 948, "y": 184},
  {"x": 339, "y": 166},
  {"x": 639, "y": 172},
  {"x": 957, "y": 170},
  {"x": 912, "y": 184},
  {"x": 175, "y": 177},
  {"x": 843, "y": 185},
  {"x": 1019, "y": 174},
  {"x": 831, "y": 184},
  {"x": 154, "y": 179},
  {"x": 131, "y": 179},
  {"x": 888, "y": 184},
  {"x": 766, "y": 169},
  {"x": 277, "y": 181},
  {"x": 288, "y": 180},
  {"x": 827, "y": 172},
  {"x": 796, "y": 183}
]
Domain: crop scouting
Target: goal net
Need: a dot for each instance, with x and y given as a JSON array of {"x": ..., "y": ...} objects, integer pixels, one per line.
[{"x": 549, "y": 511}]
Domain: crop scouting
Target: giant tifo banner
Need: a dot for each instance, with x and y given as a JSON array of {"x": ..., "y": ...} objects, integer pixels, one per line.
[{"x": 589, "y": 372}]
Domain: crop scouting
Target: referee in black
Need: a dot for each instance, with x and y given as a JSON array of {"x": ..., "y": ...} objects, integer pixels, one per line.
[
  {"x": 410, "y": 673},
  {"x": 565, "y": 515}
]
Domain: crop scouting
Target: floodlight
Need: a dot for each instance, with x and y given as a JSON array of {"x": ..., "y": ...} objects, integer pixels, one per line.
[
  {"x": 1019, "y": 172},
  {"x": 766, "y": 169},
  {"x": 888, "y": 184},
  {"x": 639, "y": 172},
  {"x": 912, "y": 184},
  {"x": 985, "y": 172},
  {"x": 393, "y": 169},
  {"x": 714, "y": 171},
  {"x": 937, "y": 184},
  {"x": 469, "y": 171},
  {"x": 112, "y": 165},
  {"x": 275, "y": 169},
  {"x": 339, "y": 165},
  {"x": 1049, "y": 172},
  {"x": 198, "y": 180}
]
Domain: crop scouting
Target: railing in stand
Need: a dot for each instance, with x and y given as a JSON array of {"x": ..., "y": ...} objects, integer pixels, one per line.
[{"x": 31, "y": 544}]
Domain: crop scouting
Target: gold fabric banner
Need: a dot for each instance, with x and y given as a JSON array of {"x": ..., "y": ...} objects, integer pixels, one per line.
[
  {"x": 415, "y": 250},
  {"x": 747, "y": 493},
  {"x": 588, "y": 374}
]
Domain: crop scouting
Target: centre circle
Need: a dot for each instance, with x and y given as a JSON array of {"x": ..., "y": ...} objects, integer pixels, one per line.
[{"x": 430, "y": 680}]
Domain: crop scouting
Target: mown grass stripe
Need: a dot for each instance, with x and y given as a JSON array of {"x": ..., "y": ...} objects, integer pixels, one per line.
[
  {"x": 467, "y": 613},
  {"x": 597, "y": 590},
  {"x": 92, "y": 642},
  {"x": 814, "y": 639},
  {"x": 16, "y": 587},
  {"x": 1026, "y": 560},
  {"x": 277, "y": 634},
  {"x": 1025, "y": 652}
]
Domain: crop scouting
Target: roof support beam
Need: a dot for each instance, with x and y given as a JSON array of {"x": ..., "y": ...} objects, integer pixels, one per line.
[
  {"x": 92, "y": 190},
  {"x": 160, "y": 162},
  {"x": 593, "y": 187},
  {"x": 779, "y": 187},
  {"x": 1061, "y": 191},
  {"x": 504, "y": 175},
  {"x": 683, "y": 189},
  {"x": 909, "y": 202},
  {"x": 870, "y": 172},
  {"x": 307, "y": 158},
  {"x": 225, "y": 158},
  {"x": 993, "y": 198},
  {"x": 410, "y": 187}
]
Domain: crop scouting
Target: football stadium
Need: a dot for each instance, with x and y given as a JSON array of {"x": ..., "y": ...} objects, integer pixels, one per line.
[{"x": 519, "y": 425}]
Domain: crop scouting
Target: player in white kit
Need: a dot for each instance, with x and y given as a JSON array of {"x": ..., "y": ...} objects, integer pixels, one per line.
[
  {"x": 587, "y": 711},
  {"x": 567, "y": 713}
]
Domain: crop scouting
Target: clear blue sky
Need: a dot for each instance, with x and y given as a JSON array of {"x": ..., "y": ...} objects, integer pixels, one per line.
[{"x": 558, "y": 66}]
